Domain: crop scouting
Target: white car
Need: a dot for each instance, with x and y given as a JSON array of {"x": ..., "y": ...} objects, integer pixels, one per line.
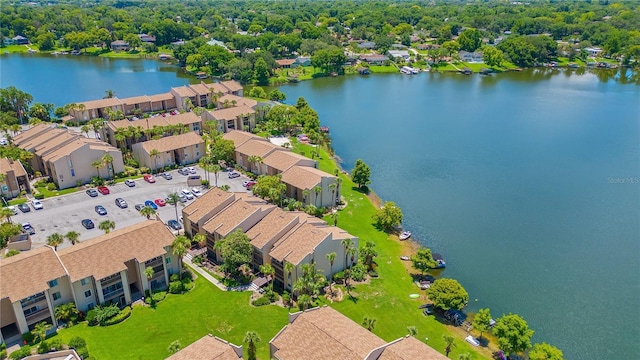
[
  {"x": 37, "y": 205},
  {"x": 196, "y": 192},
  {"x": 13, "y": 208},
  {"x": 187, "y": 194},
  {"x": 192, "y": 170}
]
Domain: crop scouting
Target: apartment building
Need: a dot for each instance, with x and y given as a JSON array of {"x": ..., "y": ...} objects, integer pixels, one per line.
[
  {"x": 311, "y": 186},
  {"x": 209, "y": 347},
  {"x": 13, "y": 178},
  {"x": 239, "y": 117},
  {"x": 172, "y": 150}
]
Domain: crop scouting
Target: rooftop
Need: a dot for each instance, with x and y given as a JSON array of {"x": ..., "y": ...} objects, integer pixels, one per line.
[
  {"x": 239, "y": 100},
  {"x": 183, "y": 91},
  {"x": 283, "y": 160},
  {"x": 240, "y": 137},
  {"x": 206, "y": 203},
  {"x": 172, "y": 142},
  {"x": 409, "y": 348},
  {"x": 232, "y": 113},
  {"x": 230, "y": 218},
  {"x": 101, "y": 103},
  {"x": 275, "y": 223},
  {"x": 298, "y": 244},
  {"x": 7, "y": 165},
  {"x": 232, "y": 85},
  {"x": 41, "y": 264},
  {"x": 257, "y": 148},
  {"x": 304, "y": 177},
  {"x": 217, "y": 88},
  {"x": 184, "y": 118},
  {"x": 209, "y": 347}
]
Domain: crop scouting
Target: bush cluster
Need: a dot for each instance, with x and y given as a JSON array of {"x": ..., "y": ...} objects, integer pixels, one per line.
[
  {"x": 261, "y": 301},
  {"x": 120, "y": 317},
  {"x": 338, "y": 277},
  {"x": 156, "y": 297},
  {"x": 21, "y": 353},
  {"x": 358, "y": 272}
]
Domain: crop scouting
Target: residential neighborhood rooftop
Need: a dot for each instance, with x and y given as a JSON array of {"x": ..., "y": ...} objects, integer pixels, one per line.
[
  {"x": 183, "y": 91},
  {"x": 240, "y": 137},
  {"x": 230, "y": 218},
  {"x": 239, "y": 100},
  {"x": 7, "y": 164},
  {"x": 209, "y": 347},
  {"x": 298, "y": 244},
  {"x": 304, "y": 177},
  {"x": 232, "y": 113},
  {"x": 257, "y": 148},
  {"x": 206, "y": 203},
  {"x": 275, "y": 223},
  {"x": 173, "y": 142},
  {"x": 409, "y": 348},
  {"x": 283, "y": 160}
]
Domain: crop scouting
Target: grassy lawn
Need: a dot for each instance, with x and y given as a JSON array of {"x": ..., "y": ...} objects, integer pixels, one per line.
[
  {"x": 380, "y": 69},
  {"x": 17, "y": 201},
  {"x": 386, "y": 298},
  {"x": 11, "y": 49},
  {"x": 186, "y": 318},
  {"x": 51, "y": 193}
]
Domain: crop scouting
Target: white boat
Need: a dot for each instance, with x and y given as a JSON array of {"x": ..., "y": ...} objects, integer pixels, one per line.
[
  {"x": 409, "y": 70},
  {"x": 405, "y": 235}
]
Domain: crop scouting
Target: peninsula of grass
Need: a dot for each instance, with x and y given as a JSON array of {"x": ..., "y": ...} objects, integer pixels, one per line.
[{"x": 148, "y": 332}]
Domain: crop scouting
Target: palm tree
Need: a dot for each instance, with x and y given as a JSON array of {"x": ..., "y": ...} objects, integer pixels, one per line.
[
  {"x": 353, "y": 252},
  {"x": 108, "y": 94},
  {"x": 108, "y": 160},
  {"x": 334, "y": 217},
  {"x": 369, "y": 252},
  {"x": 34, "y": 121},
  {"x": 6, "y": 213},
  {"x": 268, "y": 271},
  {"x": 225, "y": 187},
  {"x": 251, "y": 338},
  {"x": 149, "y": 272},
  {"x": 347, "y": 243},
  {"x": 450, "y": 341},
  {"x": 412, "y": 331},
  {"x": 85, "y": 130},
  {"x": 180, "y": 247},
  {"x": 147, "y": 211},
  {"x": 155, "y": 153},
  {"x": 333, "y": 187},
  {"x": 304, "y": 301},
  {"x": 338, "y": 183},
  {"x": 72, "y": 236},
  {"x": 201, "y": 240},
  {"x": 40, "y": 330},
  {"x": 305, "y": 196},
  {"x": 55, "y": 240},
  {"x": 464, "y": 356},
  {"x": 107, "y": 226},
  {"x": 318, "y": 191},
  {"x": 369, "y": 322},
  {"x": 215, "y": 168},
  {"x": 331, "y": 257},
  {"x": 288, "y": 268},
  {"x": 174, "y": 199},
  {"x": 97, "y": 164},
  {"x": 254, "y": 160}
]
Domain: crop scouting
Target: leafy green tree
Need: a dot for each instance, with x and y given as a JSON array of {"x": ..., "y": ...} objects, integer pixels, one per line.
[
  {"x": 482, "y": 321},
  {"x": 277, "y": 95},
  {"x": 46, "y": 41},
  {"x": 222, "y": 150},
  {"x": 268, "y": 271},
  {"x": 492, "y": 56},
  {"x": 72, "y": 236},
  {"x": 261, "y": 72},
  {"x": 18, "y": 101},
  {"x": 310, "y": 282},
  {"x": 40, "y": 330},
  {"x": 147, "y": 212},
  {"x": 544, "y": 351},
  {"x": 251, "y": 338},
  {"x": 174, "y": 347},
  {"x": 361, "y": 173},
  {"x": 368, "y": 251},
  {"x": 451, "y": 46},
  {"x": 513, "y": 333},
  {"x": 55, "y": 240},
  {"x": 271, "y": 187},
  {"x": 388, "y": 216},
  {"x": 423, "y": 260},
  {"x": 66, "y": 312},
  {"x": 470, "y": 40},
  {"x": 235, "y": 250},
  {"x": 369, "y": 322},
  {"x": 258, "y": 92},
  {"x": 451, "y": 343},
  {"x": 448, "y": 294}
]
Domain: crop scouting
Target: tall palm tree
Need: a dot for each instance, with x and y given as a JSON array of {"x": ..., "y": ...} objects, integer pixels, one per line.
[
  {"x": 251, "y": 338},
  {"x": 305, "y": 196},
  {"x": 174, "y": 199},
  {"x": 107, "y": 226},
  {"x": 331, "y": 257},
  {"x": 347, "y": 243},
  {"x": 72, "y": 236},
  {"x": 215, "y": 168},
  {"x": 318, "y": 191},
  {"x": 369, "y": 322},
  {"x": 268, "y": 271},
  {"x": 333, "y": 187},
  {"x": 353, "y": 252},
  {"x": 334, "y": 217},
  {"x": 155, "y": 154},
  {"x": 55, "y": 240},
  {"x": 149, "y": 272},
  {"x": 108, "y": 160},
  {"x": 147, "y": 211},
  {"x": 180, "y": 247},
  {"x": 288, "y": 268},
  {"x": 85, "y": 130},
  {"x": 304, "y": 301},
  {"x": 97, "y": 164},
  {"x": 254, "y": 160},
  {"x": 450, "y": 341},
  {"x": 201, "y": 240},
  {"x": 108, "y": 94},
  {"x": 6, "y": 213},
  {"x": 369, "y": 252}
]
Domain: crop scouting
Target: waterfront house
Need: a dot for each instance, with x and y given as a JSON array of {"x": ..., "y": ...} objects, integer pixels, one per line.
[
  {"x": 303, "y": 61},
  {"x": 302, "y": 181},
  {"x": 399, "y": 54},
  {"x": 240, "y": 137},
  {"x": 119, "y": 45},
  {"x": 146, "y": 38},
  {"x": 214, "y": 42},
  {"x": 593, "y": 51},
  {"x": 374, "y": 59},
  {"x": 233, "y": 87},
  {"x": 107, "y": 269},
  {"x": 472, "y": 57},
  {"x": 93, "y": 109},
  {"x": 185, "y": 96},
  {"x": 257, "y": 148},
  {"x": 233, "y": 118},
  {"x": 286, "y": 63},
  {"x": 209, "y": 347},
  {"x": 278, "y": 162},
  {"x": 324, "y": 333},
  {"x": 7, "y": 41},
  {"x": 230, "y": 100},
  {"x": 20, "y": 40},
  {"x": 367, "y": 45},
  {"x": 14, "y": 178},
  {"x": 180, "y": 149}
]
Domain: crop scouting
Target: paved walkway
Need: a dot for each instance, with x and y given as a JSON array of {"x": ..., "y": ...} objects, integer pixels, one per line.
[{"x": 204, "y": 274}]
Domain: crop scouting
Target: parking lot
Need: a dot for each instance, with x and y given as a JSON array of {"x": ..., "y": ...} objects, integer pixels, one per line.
[{"x": 64, "y": 213}]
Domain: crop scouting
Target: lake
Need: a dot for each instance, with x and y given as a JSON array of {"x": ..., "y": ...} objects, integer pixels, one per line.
[{"x": 528, "y": 183}]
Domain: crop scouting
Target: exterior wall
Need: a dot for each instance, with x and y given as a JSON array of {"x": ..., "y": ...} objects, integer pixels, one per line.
[
  {"x": 171, "y": 264},
  {"x": 65, "y": 290},
  {"x": 326, "y": 247},
  {"x": 21, "y": 322},
  {"x": 81, "y": 160},
  {"x": 11, "y": 183},
  {"x": 83, "y": 302},
  {"x": 7, "y": 316},
  {"x": 143, "y": 106}
]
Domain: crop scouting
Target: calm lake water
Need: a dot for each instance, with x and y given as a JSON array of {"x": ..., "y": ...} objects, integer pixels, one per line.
[{"x": 528, "y": 183}]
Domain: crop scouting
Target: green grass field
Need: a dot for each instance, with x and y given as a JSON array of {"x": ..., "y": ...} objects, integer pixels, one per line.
[
  {"x": 13, "y": 49},
  {"x": 381, "y": 69}
]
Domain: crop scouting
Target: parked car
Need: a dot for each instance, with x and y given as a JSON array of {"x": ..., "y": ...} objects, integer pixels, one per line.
[
  {"x": 139, "y": 206},
  {"x": 37, "y": 205},
  {"x": 191, "y": 170},
  {"x": 24, "y": 207},
  {"x": 121, "y": 203},
  {"x": 187, "y": 194},
  {"x": 196, "y": 192},
  {"x": 181, "y": 220},
  {"x": 248, "y": 184},
  {"x": 183, "y": 171},
  {"x": 92, "y": 192},
  {"x": 167, "y": 176},
  {"x": 103, "y": 190},
  {"x": 160, "y": 202},
  {"x": 28, "y": 228},
  {"x": 174, "y": 224},
  {"x": 100, "y": 210},
  {"x": 234, "y": 174},
  {"x": 149, "y": 178},
  {"x": 183, "y": 199},
  {"x": 151, "y": 204},
  {"x": 13, "y": 209},
  {"x": 4, "y": 142},
  {"x": 130, "y": 183},
  {"x": 87, "y": 223}
]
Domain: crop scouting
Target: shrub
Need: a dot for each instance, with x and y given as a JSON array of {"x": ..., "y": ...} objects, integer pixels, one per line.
[
  {"x": 77, "y": 342},
  {"x": 156, "y": 297},
  {"x": 174, "y": 277},
  {"x": 39, "y": 196},
  {"x": 43, "y": 348},
  {"x": 261, "y": 301},
  {"x": 373, "y": 274},
  {"x": 91, "y": 317},
  {"x": 176, "y": 287},
  {"x": 187, "y": 285},
  {"x": 358, "y": 272},
  {"x": 286, "y": 298},
  {"x": 51, "y": 186},
  {"x": 338, "y": 277},
  {"x": 28, "y": 337},
  {"x": 83, "y": 352},
  {"x": 56, "y": 343},
  {"x": 21, "y": 353},
  {"x": 104, "y": 313},
  {"x": 271, "y": 295},
  {"x": 120, "y": 317}
]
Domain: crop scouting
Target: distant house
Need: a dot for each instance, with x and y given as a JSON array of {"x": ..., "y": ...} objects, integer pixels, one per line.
[
  {"x": 303, "y": 61},
  {"x": 367, "y": 45},
  {"x": 8, "y": 41},
  {"x": 20, "y": 40},
  {"x": 119, "y": 45},
  {"x": 178, "y": 43},
  {"x": 399, "y": 54},
  {"x": 374, "y": 59},
  {"x": 473, "y": 57},
  {"x": 233, "y": 118},
  {"x": 147, "y": 38},
  {"x": 214, "y": 42},
  {"x": 593, "y": 51},
  {"x": 286, "y": 63},
  {"x": 398, "y": 46}
]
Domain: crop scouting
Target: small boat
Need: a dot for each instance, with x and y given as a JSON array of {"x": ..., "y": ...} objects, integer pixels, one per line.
[
  {"x": 408, "y": 70},
  {"x": 405, "y": 235},
  {"x": 441, "y": 263}
]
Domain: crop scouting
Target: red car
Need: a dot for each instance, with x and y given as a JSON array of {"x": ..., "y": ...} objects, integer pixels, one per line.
[
  {"x": 103, "y": 190},
  {"x": 160, "y": 202},
  {"x": 149, "y": 178}
]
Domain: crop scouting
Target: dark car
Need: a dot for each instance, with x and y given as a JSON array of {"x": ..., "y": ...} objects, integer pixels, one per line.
[
  {"x": 121, "y": 203},
  {"x": 92, "y": 192},
  {"x": 87, "y": 223},
  {"x": 151, "y": 204},
  {"x": 24, "y": 208},
  {"x": 139, "y": 206},
  {"x": 101, "y": 210},
  {"x": 428, "y": 309},
  {"x": 174, "y": 224}
]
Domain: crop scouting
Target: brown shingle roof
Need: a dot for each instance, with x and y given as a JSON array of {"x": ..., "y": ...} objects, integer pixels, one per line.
[
  {"x": 230, "y": 218},
  {"x": 184, "y": 91},
  {"x": 135, "y": 100},
  {"x": 304, "y": 177},
  {"x": 184, "y": 118},
  {"x": 15, "y": 165},
  {"x": 27, "y": 273},
  {"x": 410, "y": 348},
  {"x": 231, "y": 113},
  {"x": 31, "y": 142},
  {"x": 324, "y": 334},
  {"x": 270, "y": 226},
  {"x": 232, "y": 85},
  {"x": 240, "y": 137},
  {"x": 107, "y": 254},
  {"x": 101, "y": 103},
  {"x": 204, "y": 204},
  {"x": 283, "y": 160},
  {"x": 217, "y": 88},
  {"x": 284, "y": 62},
  {"x": 207, "y": 348},
  {"x": 64, "y": 150},
  {"x": 151, "y": 122},
  {"x": 298, "y": 244},
  {"x": 161, "y": 97},
  {"x": 200, "y": 89},
  {"x": 257, "y": 148},
  {"x": 34, "y": 131},
  {"x": 173, "y": 142},
  {"x": 53, "y": 142},
  {"x": 238, "y": 99}
]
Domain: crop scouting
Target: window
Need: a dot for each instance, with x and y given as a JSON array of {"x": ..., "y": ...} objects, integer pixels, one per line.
[
  {"x": 87, "y": 293},
  {"x": 30, "y": 310},
  {"x": 84, "y": 281},
  {"x": 56, "y": 296},
  {"x": 53, "y": 283},
  {"x": 168, "y": 260},
  {"x": 197, "y": 153},
  {"x": 197, "y": 145}
]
